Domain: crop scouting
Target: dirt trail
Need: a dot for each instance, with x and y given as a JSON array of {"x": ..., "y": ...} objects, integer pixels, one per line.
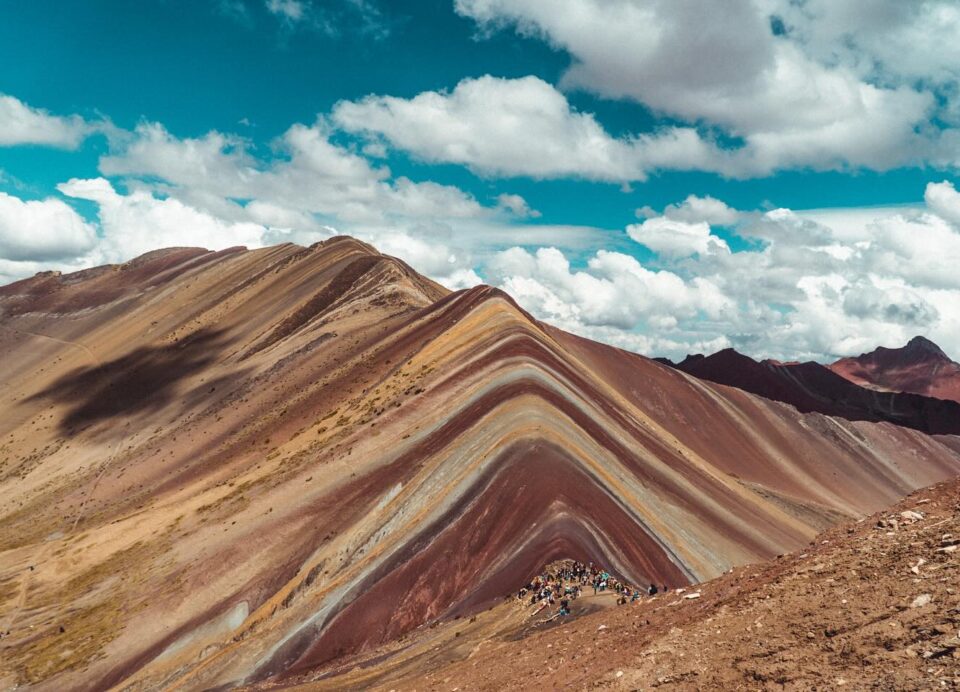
[{"x": 76, "y": 344}]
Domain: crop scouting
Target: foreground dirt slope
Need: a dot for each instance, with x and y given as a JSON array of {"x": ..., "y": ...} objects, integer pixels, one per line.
[
  {"x": 236, "y": 467},
  {"x": 872, "y": 604}
]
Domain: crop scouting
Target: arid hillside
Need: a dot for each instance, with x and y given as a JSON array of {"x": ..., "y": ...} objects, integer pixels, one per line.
[{"x": 242, "y": 467}]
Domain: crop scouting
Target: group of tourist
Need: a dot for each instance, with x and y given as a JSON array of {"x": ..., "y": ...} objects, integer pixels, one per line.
[{"x": 563, "y": 582}]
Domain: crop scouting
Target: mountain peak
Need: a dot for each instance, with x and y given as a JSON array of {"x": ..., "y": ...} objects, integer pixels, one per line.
[
  {"x": 920, "y": 367},
  {"x": 923, "y": 347}
]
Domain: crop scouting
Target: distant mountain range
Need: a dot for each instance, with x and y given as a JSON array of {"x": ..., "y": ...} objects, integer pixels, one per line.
[{"x": 892, "y": 385}]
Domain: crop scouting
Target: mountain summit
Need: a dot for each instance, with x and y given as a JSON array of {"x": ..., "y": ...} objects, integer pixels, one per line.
[
  {"x": 920, "y": 348},
  {"x": 919, "y": 367}
]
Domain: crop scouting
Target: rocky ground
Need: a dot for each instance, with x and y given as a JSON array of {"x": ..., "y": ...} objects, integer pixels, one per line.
[{"x": 873, "y": 604}]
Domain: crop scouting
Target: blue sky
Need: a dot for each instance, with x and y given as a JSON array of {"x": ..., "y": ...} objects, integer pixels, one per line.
[{"x": 654, "y": 174}]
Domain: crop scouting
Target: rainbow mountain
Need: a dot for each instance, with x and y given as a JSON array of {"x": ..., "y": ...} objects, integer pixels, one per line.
[{"x": 227, "y": 468}]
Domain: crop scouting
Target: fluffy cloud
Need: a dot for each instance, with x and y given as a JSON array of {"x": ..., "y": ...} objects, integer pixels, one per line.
[
  {"x": 702, "y": 209},
  {"x": 808, "y": 285},
  {"x": 520, "y": 127},
  {"x": 516, "y": 205},
  {"x": 684, "y": 229},
  {"x": 923, "y": 249},
  {"x": 896, "y": 304},
  {"x": 889, "y": 39},
  {"x": 614, "y": 290},
  {"x": 944, "y": 201},
  {"x": 676, "y": 238},
  {"x": 781, "y": 93},
  {"x": 312, "y": 176},
  {"x": 21, "y": 124},
  {"x": 212, "y": 191},
  {"x": 139, "y": 222},
  {"x": 836, "y": 284},
  {"x": 42, "y": 230},
  {"x": 311, "y": 186}
]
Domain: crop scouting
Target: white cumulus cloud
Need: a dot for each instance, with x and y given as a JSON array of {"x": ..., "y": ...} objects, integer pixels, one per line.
[
  {"x": 673, "y": 238},
  {"x": 42, "y": 230},
  {"x": 23, "y": 124},
  {"x": 791, "y": 98},
  {"x": 613, "y": 291},
  {"x": 138, "y": 222},
  {"x": 520, "y": 127},
  {"x": 944, "y": 201},
  {"x": 516, "y": 205}
]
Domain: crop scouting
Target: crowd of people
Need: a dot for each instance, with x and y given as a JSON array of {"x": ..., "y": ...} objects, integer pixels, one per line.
[{"x": 563, "y": 582}]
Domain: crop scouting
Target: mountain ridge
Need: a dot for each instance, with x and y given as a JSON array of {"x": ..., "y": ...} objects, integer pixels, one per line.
[{"x": 812, "y": 387}]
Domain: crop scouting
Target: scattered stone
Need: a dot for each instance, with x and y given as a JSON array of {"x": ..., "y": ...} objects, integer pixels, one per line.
[
  {"x": 916, "y": 568},
  {"x": 619, "y": 673},
  {"x": 921, "y": 600},
  {"x": 601, "y": 627},
  {"x": 910, "y": 515},
  {"x": 695, "y": 594}
]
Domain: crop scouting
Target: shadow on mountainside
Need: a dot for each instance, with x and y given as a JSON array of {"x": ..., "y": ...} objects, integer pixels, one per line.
[{"x": 142, "y": 381}]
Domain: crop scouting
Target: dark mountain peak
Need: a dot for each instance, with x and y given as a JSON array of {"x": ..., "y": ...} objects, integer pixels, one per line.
[
  {"x": 732, "y": 358},
  {"x": 922, "y": 347},
  {"x": 691, "y": 359},
  {"x": 730, "y": 355},
  {"x": 920, "y": 367},
  {"x": 918, "y": 351}
]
